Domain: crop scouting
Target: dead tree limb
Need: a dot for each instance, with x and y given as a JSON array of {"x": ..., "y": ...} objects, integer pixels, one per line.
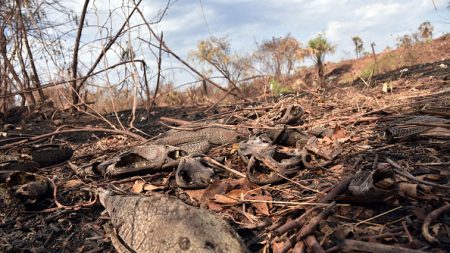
[
  {"x": 9, "y": 65},
  {"x": 399, "y": 171},
  {"x": 354, "y": 245},
  {"x": 314, "y": 222},
  {"x": 75, "y": 54},
  {"x": 169, "y": 51},
  {"x": 104, "y": 50},
  {"x": 87, "y": 129},
  {"x": 158, "y": 78},
  {"x": 26, "y": 77},
  {"x": 313, "y": 244},
  {"x": 51, "y": 84},
  {"x": 35, "y": 76},
  {"x": 307, "y": 229}
]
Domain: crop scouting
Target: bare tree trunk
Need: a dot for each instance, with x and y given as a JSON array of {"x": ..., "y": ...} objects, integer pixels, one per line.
[
  {"x": 374, "y": 56},
  {"x": 35, "y": 76},
  {"x": 320, "y": 74},
  {"x": 26, "y": 78},
  {"x": 76, "y": 88},
  {"x": 158, "y": 79},
  {"x": 3, "y": 85},
  {"x": 8, "y": 62}
]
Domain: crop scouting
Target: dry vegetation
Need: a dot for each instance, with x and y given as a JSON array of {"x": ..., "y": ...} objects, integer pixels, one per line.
[{"x": 101, "y": 109}]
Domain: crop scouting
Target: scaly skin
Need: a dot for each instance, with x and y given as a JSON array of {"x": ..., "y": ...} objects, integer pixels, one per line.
[
  {"x": 197, "y": 141},
  {"x": 158, "y": 223},
  {"x": 412, "y": 126}
]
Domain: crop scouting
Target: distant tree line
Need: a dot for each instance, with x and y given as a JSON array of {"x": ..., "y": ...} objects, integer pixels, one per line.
[{"x": 277, "y": 57}]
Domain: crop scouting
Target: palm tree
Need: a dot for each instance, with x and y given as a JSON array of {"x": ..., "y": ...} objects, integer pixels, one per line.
[
  {"x": 318, "y": 48},
  {"x": 358, "y": 45}
]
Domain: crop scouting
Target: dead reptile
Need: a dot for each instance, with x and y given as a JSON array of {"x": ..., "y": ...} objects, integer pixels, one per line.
[
  {"x": 423, "y": 125},
  {"x": 157, "y": 223},
  {"x": 200, "y": 141}
]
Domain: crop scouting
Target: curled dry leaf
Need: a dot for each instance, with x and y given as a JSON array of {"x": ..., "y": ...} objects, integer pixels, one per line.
[
  {"x": 138, "y": 186},
  {"x": 51, "y": 155},
  {"x": 72, "y": 183},
  {"x": 262, "y": 207},
  {"x": 225, "y": 199},
  {"x": 150, "y": 187},
  {"x": 192, "y": 173}
]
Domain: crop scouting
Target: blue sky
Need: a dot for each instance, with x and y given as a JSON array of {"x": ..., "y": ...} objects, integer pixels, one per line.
[{"x": 247, "y": 22}]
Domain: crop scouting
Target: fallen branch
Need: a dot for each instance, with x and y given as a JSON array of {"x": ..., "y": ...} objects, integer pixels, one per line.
[
  {"x": 354, "y": 245},
  {"x": 313, "y": 244},
  {"x": 314, "y": 222},
  {"x": 338, "y": 189},
  {"x": 178, "y": 122},
  {"x": 87, "y": 129},
  {"x": 299, "y": 247},
  {"x": 398, "y": 170},
  {"x": 308, "y": 229},
  {"x": 293, "y": 224}
]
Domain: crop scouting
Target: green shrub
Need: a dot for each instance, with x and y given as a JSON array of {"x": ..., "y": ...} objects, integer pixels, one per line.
[{"x": 279, "y": 89}]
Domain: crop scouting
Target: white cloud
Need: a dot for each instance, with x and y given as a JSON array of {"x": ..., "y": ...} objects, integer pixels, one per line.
[{"x": 247, "y": 21}]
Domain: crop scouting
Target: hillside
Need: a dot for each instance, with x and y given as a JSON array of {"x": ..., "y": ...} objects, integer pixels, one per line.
[{"x": 388, "y": 60}]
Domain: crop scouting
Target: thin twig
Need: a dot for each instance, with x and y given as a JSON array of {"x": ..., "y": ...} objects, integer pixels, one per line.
[
  {"x": 398, "y": 170},
  {"x": 210, "y": 160}
]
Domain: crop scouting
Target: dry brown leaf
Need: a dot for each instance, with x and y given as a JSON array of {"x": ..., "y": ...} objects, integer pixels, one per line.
[
  {"x": 150, "y": 187},
  {"x": 217, "y": 187},
  {"x": 234, "y": 148},
  {"x": 262, "y": 207},
  {"x": 336, "y": 168},
  {"x": 195, "y": 195},
  {"x": 435, "y": 228},
  {"x": 138, "y": 186},
  {"x": 214, "y": 206},
  {"x": 325, "y": 228},
  {"x": 339, "y": 133},
  {"x": 326, "y": 140},
  {"x": 224, "y": 199},
  {"x": 72, "y": 183},
  {"x": 237, "y": 193},
  {"x": 408, "y": 189}
]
